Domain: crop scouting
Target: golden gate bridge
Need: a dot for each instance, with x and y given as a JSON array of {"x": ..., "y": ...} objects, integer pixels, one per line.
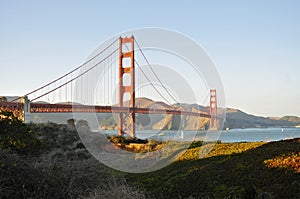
[{"x": 121, "y": 51}]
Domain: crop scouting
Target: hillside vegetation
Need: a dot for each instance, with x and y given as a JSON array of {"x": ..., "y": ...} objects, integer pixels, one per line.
[
  {"x": 55, "y": 164},
  {"x": 292, "y": 119},
  {"x": 232, "y": 170},
  {"x": 238, "y": 119},
  {"x": 58, "y": 166}
]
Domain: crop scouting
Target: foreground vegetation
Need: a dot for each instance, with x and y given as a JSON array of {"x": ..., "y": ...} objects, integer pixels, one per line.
[
  {"x": 56, "y": 165},
  {"x": 49, "y": 161},
  {"x": 236, "y": 170}
]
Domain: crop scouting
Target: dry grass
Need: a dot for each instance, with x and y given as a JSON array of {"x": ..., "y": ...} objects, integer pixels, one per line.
[
  {"x": 62, "y": 169},
  {"x": 115, "y": 188},
  {"x": 290, "y": 161}
]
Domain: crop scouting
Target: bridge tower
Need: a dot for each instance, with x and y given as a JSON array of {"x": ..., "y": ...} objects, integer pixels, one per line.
[
  {"x": 213, "y": 110},
  {"x": 126, "y": 120}
]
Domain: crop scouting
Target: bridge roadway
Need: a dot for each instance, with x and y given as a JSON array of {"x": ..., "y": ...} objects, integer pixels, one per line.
[{"x": 68, "y": 108}]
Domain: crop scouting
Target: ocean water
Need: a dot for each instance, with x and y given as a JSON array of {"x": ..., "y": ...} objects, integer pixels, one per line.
[
  {"x": 233, "y": 135},
  {"x": 259, "y": 134}
]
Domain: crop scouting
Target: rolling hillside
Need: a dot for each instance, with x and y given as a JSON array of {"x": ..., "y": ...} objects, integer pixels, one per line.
[{"x": 235, "y": 118}]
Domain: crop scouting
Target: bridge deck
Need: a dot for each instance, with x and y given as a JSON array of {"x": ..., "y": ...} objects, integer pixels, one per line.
[{"x": 68, "y": 108}]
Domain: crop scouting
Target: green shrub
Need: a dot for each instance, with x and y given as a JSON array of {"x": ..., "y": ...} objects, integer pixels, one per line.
[
  {"x": 17, "y": 178},
  {"x": 22, "y": 177},
  {"x": 71, "y": 122},
  {"x": 196, "y": 144},
  {"x": 126, "y": 140},
  {"x": 57, "y": 136},
  {"x": 16, "y": 136},
  {"x": 223, "y": 191}
]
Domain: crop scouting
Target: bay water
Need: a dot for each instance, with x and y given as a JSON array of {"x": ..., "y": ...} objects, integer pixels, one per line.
[{"x": 227, "y": 136}]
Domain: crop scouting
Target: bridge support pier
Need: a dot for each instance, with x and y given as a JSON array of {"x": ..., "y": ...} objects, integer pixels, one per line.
[{"x": 26, "y": 109}]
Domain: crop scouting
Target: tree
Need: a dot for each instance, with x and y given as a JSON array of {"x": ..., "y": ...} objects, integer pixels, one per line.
[
  {"x": 3, "y": 99},
  {"x": 71, "y": 122},
  {"x": 16, "y": 136}
]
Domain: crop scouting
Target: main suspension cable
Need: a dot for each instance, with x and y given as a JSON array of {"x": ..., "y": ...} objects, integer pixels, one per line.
[
  {"x": 153, "y": 71},
  {"x": 80, "y": 66}
]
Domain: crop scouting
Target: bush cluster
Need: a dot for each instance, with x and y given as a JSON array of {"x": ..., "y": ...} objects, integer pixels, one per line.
[
  {"x": 126, "y": 140},
  {"x": 16, "y": 136},
  {"x": 60, "y": 168}
]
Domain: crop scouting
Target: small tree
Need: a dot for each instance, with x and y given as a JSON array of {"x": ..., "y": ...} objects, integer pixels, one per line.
[
  {"x": 3, "y": 99},
  {"x": 16, "y": 136},
  {"x": 71, "y": 122}
]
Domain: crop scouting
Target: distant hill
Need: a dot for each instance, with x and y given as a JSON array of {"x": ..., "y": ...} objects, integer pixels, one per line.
[
  {"x": 163, "y": 121},
  {"x": 292, "y": 119},
  {"x": 234, "y": 118},
  {"x": 238, "y": 119}
]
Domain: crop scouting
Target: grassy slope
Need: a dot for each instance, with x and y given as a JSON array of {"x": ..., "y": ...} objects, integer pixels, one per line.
[
  {"x": 64, "y": 169},
  {"x": 230, "y": 171}
]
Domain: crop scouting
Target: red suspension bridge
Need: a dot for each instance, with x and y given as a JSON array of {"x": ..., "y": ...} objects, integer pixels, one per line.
[{"x": 117, "y": 66}]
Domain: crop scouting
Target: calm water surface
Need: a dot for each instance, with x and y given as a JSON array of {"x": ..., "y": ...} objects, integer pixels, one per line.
[
  {"x": 254, "y": 135},
  {"x": 234, "y": 135}
]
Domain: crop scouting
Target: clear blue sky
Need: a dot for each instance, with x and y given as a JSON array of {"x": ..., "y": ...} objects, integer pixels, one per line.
[{"x": 255, "y": 44}]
